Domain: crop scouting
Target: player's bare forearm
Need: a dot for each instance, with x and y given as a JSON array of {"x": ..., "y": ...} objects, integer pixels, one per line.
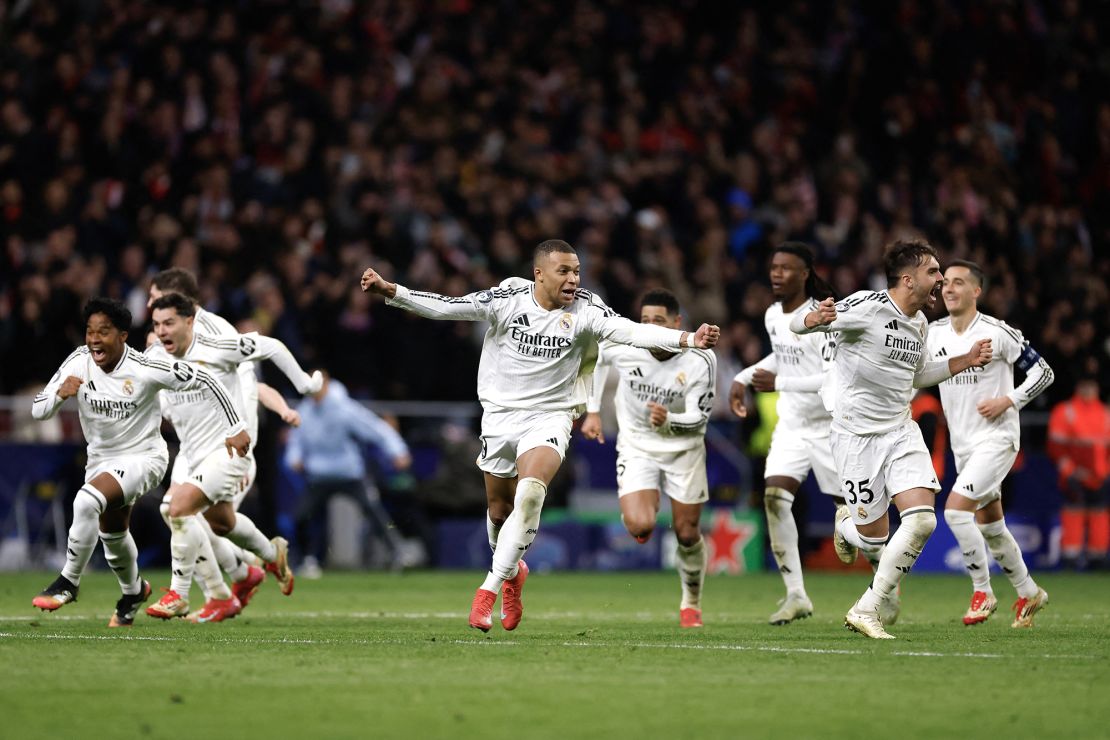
[{"x": 980, "y": 355}]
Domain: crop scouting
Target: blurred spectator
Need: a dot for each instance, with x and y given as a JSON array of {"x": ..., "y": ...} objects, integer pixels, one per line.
[
  {"x": 277, "y": 148},
  {"x": 1079, "y": 442},
  {"x": 326, "y": 450}
]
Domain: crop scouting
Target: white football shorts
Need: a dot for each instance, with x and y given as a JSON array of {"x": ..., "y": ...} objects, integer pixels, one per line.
[
  {"x": 220, "y": 477},
  {"x": 980, "y": 473},
  {"x": 680, "y": 475},
  {"x": 181, "y": 473},
  {"x": 136, "y": 474},
  {"x": 797, "y": 450},
  {"x": 509, "y": 433},
  {"x": 874, "y": 468}
]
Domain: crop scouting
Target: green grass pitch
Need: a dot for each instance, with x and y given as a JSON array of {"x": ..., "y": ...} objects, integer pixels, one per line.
[{"x": 597, "y": 655}]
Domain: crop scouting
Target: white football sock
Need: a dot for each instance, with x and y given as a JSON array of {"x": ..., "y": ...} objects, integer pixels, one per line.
[
  {"x": 517, "y": 533},
  {"x": 1006, "y": 552},
  {"x": 186, "y": 538},
  {"x": 247, "y": 536},
  {"x": 492, "y": 530},
  {"x": 778, "y": 502},
  {"x": 122, "y": 556},
  {"x": 88, "y": 505},
  {"x": 691, "y": 572},
  {"x": 972, "y": 547},
  {"x": 918, "y": 523},
  {"x": 226, "y": 552},
  {"x": 207, "y": 571}
]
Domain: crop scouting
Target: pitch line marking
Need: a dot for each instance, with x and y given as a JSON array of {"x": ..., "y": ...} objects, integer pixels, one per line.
[{"x": 606, "y": 645}]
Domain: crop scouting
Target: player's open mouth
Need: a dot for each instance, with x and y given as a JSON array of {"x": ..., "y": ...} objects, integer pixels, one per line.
[
  {"x": 98, "y": 354},
  {"x": 568, "y": 294},
  {"x": 167, "y": 345}
]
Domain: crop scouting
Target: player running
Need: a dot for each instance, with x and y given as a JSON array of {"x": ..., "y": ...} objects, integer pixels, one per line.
[
  {"x": 240, "y": 566},
  {"x": 663, "y": 403},
  {"x": 214, "y": 481},
  {"x": 981, "y": 405},
  {"x": 880, "y": 456},
  {"x": 795, "y": 368},
  {"x": 538, "y": 352},
  {"x": 117, "y": 401}
]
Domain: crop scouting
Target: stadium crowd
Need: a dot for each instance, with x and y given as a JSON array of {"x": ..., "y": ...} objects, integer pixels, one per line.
[{"x": 276, "y": 149}]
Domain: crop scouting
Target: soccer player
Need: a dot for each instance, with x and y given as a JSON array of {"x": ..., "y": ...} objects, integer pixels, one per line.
[
  {"x": 880, "y": 456},
  {"x": 538, "y": 352},
  {"x": 214, "y": 481},
  {"x": 231, "y": 559},
  {"x": 981, "y": 405},
  {"x": 663, "y": 403},
  {"x": 795, "y": 368},
  {"x": 117, "y": 400}
]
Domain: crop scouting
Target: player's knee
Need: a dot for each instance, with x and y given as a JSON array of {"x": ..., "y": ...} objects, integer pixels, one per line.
[
  {"x": 88, "y": 504},
  {"x": 778, "y": 503},
  {"x": 957, "y": 517},
  {"x": 687, "y": 533},
  {"x": 530, "y": 493},
  {"x": 219, "y": 527},
  {"x": 640, "y": 527},
  {"x": 920, "y": 523}
]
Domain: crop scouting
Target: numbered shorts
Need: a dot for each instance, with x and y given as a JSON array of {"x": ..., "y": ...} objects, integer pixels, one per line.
[
  {"x": 794, "y": 452},
  {"x": 679, "y": 475},
  {"x": 509, "y": 433},
  {"x": 980, "y": 473},
  {"x": 874, "y": 468},
  {"x": 220, "y": 477},
  {"x": 136, "y": 474}
]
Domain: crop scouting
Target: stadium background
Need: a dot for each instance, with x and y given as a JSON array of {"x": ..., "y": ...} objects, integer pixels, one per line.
[{"x": 277, "y": 150}]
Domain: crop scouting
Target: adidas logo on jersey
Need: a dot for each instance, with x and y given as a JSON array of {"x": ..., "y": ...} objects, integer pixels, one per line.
[
  {"x": 637, "y": 372},
  {"x": 970, "y": 488},
  {"x": 943, "y": 352},
  {"x": 520, "y": 320},
  {"x": 893, "y": 325},
  {"x": 553, "y": 441}
]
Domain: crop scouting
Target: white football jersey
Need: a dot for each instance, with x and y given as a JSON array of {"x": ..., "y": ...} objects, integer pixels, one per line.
[
  {"x": 685, "y": 383},
  {"x": 795, "y": 359},
  {"x": 119, "y": 410},
  {"x": 961, "y": 394},
  {"x": 879, "y": 352},
  {"x": 533, "y": 358},
  {"x": 215, "y": 325},
  {"x": 222, "y": 356}
]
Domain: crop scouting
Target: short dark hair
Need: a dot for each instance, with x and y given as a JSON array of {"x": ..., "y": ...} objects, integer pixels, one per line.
[
  {"x": 905, "y": 253},
  {"x": 178, "y": 302},
  {"x": 177, "y": 280},
  {"x": 974, "y": 269},
  {"x": 551, "y": 246},
  {"x": 661, "y": 297},
  {"x": 118, "y": 314}
]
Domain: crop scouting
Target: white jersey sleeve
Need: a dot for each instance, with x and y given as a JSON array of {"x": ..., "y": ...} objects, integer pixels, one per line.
[
  {"x": 471, "y": 307},
  {"x": 47, "y": 402},
  {"x": 698, "y": 400}
]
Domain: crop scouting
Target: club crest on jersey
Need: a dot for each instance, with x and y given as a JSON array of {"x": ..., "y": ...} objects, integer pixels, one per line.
[
  {"x": 566, "y": 321},
  {"x": 862, "y": 512},
  {"x": 128, "y": 387},
  {"x": 680, "y": 379},
  {"x": 485, "y": 296}
]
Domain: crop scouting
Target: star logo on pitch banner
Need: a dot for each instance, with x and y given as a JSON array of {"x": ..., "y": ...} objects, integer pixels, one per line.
[{"x": 727, "y": 539}]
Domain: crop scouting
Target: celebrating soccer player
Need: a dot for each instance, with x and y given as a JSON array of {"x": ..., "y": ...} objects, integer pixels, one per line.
[
  {"x": 663, "y": 404},
  {"x": 214, "y": 480},
  {"x": 538, "y": 352},
  {"x": 880, "y": 456},
  {"x": 795, "y": 368},
  {"x": 981, "y": 405},
  {"x": 117, "y": 399}
]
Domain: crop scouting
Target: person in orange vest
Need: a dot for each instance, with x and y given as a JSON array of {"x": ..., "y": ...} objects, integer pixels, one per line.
[
  {"x": 1079, "y": 443},
  {"x": 926, "y": 410}
]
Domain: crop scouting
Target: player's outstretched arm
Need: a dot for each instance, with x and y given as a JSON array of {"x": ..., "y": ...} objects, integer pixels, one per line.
[
  {"x": 253, "y": 347},
  {"x": 472, "y": 307},
  {"x": 274, "y": 401},
  {"x": 607, "y": 324}
]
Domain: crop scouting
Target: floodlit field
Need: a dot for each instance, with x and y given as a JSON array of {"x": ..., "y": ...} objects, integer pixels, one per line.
[{"x": 599, "y": 655}]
